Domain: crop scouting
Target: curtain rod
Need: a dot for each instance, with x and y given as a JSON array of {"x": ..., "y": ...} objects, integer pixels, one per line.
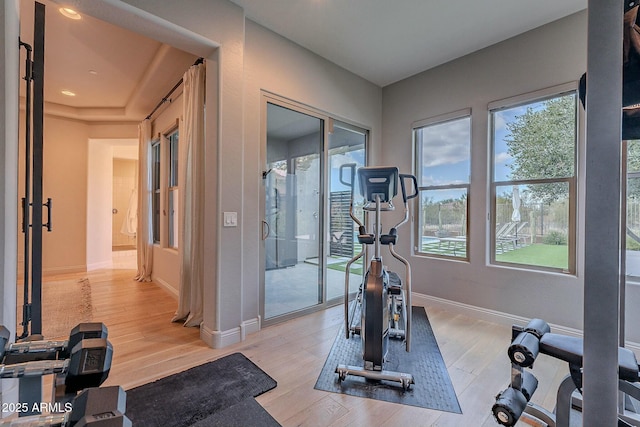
[{"x": 166, "y": 97}]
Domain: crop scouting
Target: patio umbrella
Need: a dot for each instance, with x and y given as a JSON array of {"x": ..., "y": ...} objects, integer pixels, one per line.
[{"x": 515, "y": 201}]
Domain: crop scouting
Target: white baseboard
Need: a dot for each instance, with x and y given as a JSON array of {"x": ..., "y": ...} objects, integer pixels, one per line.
[
  {"x": 99, "y": 265},
  {"x": 493, "y": 316},
  {"x": 250, "y": 326},
  {"x": 166, "y": 285},
  {"x": 220, "y": 339},
  {"x": 64, "y": 270}
]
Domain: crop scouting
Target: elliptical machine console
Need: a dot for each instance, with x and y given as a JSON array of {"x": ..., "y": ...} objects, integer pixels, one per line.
[{"x": 383, "y": 297}]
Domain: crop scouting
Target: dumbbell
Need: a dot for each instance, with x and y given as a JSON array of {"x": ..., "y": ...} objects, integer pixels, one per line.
[
  {"x": 511, "y": 403},
  {"x": 31, "y": 350},
  {"x": 94, "y": 407},
  {"x": 4, "y": 339},
  {"x": 526, "y": 343},
  {"x": 88, "y": 366}
]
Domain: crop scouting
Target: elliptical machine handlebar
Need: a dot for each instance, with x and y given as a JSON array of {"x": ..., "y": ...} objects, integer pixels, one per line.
[
  {"x": 351, "y": 185},
  {"x": 406, "y": 197}
]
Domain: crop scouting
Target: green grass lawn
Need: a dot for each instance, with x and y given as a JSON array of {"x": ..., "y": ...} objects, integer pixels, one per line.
[
  {"x": 554, "y": 256},
  {"x": 356, "y": 268}
]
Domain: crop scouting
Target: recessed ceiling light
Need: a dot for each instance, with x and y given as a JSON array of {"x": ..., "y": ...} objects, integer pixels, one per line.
[
  {"x": 67, "y": 93},
  {"x": 93, "y": 72},
  {"x": 69, "y": 13}
]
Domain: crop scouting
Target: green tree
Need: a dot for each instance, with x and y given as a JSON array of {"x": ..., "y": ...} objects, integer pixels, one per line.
[
  {"x": 541, "y": 143},
  {"x": 633, "y": 165}
]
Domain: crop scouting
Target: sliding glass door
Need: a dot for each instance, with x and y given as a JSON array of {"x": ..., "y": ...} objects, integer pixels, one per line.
[
  {"x": 307, "y": 233},
  {"x": 292, "y": 221}
]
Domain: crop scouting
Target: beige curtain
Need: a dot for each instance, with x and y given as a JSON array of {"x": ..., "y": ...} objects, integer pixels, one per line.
[
  {"x": 144, "y": 231},
  {"x": 191, "y": 208}
]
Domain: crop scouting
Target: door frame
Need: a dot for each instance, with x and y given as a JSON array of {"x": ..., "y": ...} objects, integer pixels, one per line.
[{"x": 328, "y": 119}]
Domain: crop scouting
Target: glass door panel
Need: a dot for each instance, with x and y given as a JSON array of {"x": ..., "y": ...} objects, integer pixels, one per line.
[
  {"x": 346, "y": 145},
  {"x": 292, "y": 247}
]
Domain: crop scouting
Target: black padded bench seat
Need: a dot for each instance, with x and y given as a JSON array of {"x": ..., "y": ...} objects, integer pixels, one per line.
[{"x": 569, "y": 349}]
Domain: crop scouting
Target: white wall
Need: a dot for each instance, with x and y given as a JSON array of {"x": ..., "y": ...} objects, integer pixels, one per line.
[
  {"x": 548, "y": 56},
  {"x": 215, "y": 23},
  {"x": 9, "y": 75}
]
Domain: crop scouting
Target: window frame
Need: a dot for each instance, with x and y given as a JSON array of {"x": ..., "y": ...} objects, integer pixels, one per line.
[
  {"x": 519, "y": 101},
  {"x": 417, "y": 152},
  {"x": 172, "y": 139},
  {"x": 156, "y": 202},
  {"x": 627, "y": 174}
]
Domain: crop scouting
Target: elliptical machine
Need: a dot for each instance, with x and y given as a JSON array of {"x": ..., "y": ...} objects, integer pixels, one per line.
[{"x": 382, "y": 298}]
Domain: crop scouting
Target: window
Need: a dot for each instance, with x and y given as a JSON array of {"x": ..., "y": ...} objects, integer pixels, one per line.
[
  {"x": 533, "y": 188},
  {"x": 443, "y": 170},
  {"x": 173, "y": 189},
  {"x": 632, "y": 232},
  {"x": 155, "y": 189}
]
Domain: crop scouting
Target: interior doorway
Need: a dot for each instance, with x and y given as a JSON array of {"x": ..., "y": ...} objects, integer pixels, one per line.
[{"x": 124, "y": 211}]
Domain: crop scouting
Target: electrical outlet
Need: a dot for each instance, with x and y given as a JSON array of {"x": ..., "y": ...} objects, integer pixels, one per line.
[{"x": 230, "y": 219}]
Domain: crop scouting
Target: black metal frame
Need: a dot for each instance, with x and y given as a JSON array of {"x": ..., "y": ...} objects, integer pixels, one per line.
[
  {"x": 32, "y": 219},
  {"x": 173, "y": 89}
]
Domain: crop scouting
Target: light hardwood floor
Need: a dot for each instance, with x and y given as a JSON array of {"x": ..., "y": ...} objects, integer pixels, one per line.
[{"x": 147, "y": 346}]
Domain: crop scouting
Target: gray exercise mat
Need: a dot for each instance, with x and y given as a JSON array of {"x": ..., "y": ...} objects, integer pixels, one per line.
[
  {"x": 432, "y": 388},
  {"x": 246, "y": 413},
  {"x": 185, "y": 398}
]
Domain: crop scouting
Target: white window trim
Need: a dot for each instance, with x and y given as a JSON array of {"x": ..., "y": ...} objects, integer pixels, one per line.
[
  {"x": 515, "y": 101},
  {"x": 418, "y": 124}
]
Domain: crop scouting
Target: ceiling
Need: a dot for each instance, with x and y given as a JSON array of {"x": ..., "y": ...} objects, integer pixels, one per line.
[
  {"x": 116, "y": 75},
  {"x": 385, "y": 41}
]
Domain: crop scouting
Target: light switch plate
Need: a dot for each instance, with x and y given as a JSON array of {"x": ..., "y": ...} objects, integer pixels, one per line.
[{"x": 230, "y": 219}]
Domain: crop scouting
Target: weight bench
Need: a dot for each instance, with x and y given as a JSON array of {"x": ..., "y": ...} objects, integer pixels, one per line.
[{"x": 537, "y": 338}]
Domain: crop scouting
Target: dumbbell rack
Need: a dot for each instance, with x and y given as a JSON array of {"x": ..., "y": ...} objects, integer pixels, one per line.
[{"x": 82, "y": 361}]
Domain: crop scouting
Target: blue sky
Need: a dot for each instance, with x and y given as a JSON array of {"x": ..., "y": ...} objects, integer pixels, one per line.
[
  {"x": 336, "y": 160},
  {"x": 501, "y": 158},
  {"x": 446, "y": 156},
  {"x": 446, "y": 153}
]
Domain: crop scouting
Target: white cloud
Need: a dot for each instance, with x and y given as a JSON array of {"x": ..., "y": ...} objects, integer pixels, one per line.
[
  {"x": 501, "y": 158},
  {"x": 446, "y": 144},
  {"x": 499, "y": 122}
]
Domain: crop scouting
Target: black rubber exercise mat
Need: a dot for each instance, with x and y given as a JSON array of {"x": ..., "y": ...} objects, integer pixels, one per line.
[
  {"x": 246, "y": 413},
  {"x": 432, "y": 388},
  {"x": 184, "y": 399}
]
